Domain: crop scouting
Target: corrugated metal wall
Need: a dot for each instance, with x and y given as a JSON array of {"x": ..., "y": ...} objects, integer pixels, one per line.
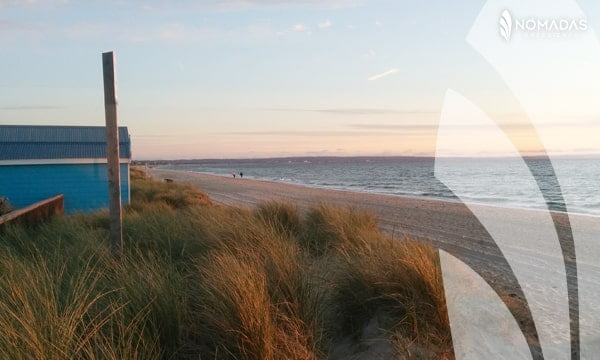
[{"x": 85, "y": 186}]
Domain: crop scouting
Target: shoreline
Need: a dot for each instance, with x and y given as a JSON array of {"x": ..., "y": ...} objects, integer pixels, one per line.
[
  {"x": 407, "y": 196},
  {"x": 445, "y": 225}
]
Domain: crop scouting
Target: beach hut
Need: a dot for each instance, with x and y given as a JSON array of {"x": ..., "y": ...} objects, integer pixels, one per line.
[{"x": 38, "y": 162}]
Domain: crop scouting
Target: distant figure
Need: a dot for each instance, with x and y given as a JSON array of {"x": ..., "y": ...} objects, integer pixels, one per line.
[
  {"x": 241, "y": 174},
  {"x": 233, "y": 174}
]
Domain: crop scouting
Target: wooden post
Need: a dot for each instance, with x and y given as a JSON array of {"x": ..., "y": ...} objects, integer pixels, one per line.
[{"x": 112, "y": 153}]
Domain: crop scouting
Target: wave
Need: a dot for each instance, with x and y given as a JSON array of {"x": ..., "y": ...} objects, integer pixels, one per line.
[{"x": 415, "y": 178}]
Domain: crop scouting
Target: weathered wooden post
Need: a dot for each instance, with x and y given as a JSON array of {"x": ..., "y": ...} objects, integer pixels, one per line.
[{"x": 112, "y": 153}]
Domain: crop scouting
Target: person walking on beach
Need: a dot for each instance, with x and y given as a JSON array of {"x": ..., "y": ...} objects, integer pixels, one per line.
[
  {"x": 233, "y": 174},
  {"x": 241, "y": 174}
]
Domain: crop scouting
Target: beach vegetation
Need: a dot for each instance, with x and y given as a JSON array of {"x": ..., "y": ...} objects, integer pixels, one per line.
[
  {"x": 200, "y": 280},
  {"x": 5, "y": 206}
]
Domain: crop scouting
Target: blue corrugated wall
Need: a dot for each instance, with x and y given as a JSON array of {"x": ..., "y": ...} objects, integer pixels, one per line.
[{"x": 85, "y": 186}]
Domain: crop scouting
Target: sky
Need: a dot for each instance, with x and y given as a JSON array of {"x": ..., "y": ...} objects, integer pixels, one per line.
[{"x": 269, "y": 78}]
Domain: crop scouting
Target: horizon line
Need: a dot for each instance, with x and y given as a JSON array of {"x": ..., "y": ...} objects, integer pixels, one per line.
[{"x": 538, "y": 156}]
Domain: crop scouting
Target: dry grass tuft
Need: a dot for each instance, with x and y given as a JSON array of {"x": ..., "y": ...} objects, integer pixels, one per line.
[
  {"x": 5, "y": 206},
  {"x": 327, "y": 227},
  {"x": 199, "y": 280},
  {"x": 147, "y": 191},
  {"x": 283, "y": 216}
]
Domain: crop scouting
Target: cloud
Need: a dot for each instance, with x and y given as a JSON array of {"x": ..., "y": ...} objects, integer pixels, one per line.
[
  {"x": 6, "y": 3},
  {"x": 240, "y": 5},
  {"x": 366, "y": 130},
  {"x": 370, "y": 54},
  {"x": 372, "y": 111},
  {"x": 507, "y": 126},
  {"x": 84, "y": 31},
  {"x": 30, "y": 3},
  {"x": 396, "y": 127},
  {"x": 319, "y": 133},
  {"x": 383, "y": 74},
  {"x": 170, "y": 33},
  {"x": 299, "y": 27},
  {"x": 32, "y": 107},
  {"x": 8, "y": 25},
  {"x": 244, "y": 4},
  {"x": 325, "y": 24},
  {"x": 359, "y": 111},
  {"x": 194, "y": 5},
  {"x": 174, "y": 32}
]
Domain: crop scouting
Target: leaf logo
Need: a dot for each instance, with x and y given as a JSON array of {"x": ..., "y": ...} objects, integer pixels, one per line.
[
  {"x": 531, "y": 248},
  {"x": 562, "y": 294},
  {"x": 506, "y": 25}
]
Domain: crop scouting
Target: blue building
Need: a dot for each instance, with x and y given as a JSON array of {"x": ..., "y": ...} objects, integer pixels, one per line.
[{"x": 38, "y": 162}]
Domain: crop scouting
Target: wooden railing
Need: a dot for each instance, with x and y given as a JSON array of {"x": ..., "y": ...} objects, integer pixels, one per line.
[{"x": 37, "y": 212}]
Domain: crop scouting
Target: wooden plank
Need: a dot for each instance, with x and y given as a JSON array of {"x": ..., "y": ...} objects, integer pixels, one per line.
[
  {"x": 112, "y": 153},
  {"x": 37, "y": 212}
]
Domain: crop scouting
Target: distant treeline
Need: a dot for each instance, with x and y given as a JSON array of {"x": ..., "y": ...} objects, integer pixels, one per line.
[{"x": 286, "y": 160}]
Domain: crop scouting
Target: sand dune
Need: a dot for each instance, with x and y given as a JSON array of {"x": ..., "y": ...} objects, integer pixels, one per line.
[{"x": 447, "y": 225}]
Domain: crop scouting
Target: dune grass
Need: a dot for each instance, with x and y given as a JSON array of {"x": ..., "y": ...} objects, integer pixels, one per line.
[
  {"x": 5, "y": 206},
  {"x": 204, "y": 281}
]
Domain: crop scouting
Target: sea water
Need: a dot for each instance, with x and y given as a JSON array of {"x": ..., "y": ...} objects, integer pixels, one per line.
[{"x": 487, "y": 180}]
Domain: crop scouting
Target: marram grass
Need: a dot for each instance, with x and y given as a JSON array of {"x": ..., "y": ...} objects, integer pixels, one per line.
[{"x": 204, "y": 281}]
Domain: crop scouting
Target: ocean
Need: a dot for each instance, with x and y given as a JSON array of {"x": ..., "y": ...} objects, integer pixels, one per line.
[{"x": 491, "y": 181}]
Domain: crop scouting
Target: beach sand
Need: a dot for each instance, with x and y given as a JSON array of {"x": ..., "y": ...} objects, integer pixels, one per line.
[{"x": 446, "y": 225}]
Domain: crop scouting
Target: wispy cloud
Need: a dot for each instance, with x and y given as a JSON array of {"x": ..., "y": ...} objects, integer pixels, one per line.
[
  {"x": 359, "y": 111},
  {"x": 31, "y": 3},
  {"x": 241, "y": 5},
  {"x": 32, "y": 107},
  {"x": 319, "y": 133},
  {"x": 5, "y": 3},
  {"x": 394, "y": 127},
  {"x": 8, "y": 25},
  {"x": 244, "y": 4},
  {"x": 174, "y": 33},
  {"x": 177, "y": 33},
  {"x": 299, "y": 27},
  {"x": 383, "y": 74},
  {"x": 370, "y": 54},
  {"x": 371, "y": 111},
  {"x": 433, "y": 126},
  {"x": 366, "y": 130},
  {"x": 325, "y": 24}
]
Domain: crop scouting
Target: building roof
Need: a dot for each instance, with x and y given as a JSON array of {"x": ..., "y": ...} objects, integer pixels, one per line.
[{"x": 22, "y": 142}]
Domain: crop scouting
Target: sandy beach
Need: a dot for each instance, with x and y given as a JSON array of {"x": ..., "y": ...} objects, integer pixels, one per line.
[{"x": 446, "y": 225}]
